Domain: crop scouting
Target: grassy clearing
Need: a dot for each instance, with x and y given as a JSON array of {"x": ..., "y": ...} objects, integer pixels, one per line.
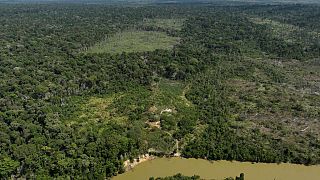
[
  {"x": 135, "y": 41},
  {"x": 170, "y": 94},
  {"x": 95, "y": 110},
  {"x": 171, "y": 24},
  {"x": 98, "y": 109}
]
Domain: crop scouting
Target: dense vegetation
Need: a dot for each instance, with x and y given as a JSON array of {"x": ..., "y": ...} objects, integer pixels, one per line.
[
  {"x": 182, "y": 177},
  {"x": 242, "y": 84}
]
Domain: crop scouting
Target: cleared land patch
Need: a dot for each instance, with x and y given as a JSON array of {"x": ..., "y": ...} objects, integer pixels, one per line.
[
  {"x": 135, "y": 41},
  {"x": 157, "y": 116},
  {"x": 93, "y": 110},
  {"x": 287, "y": 32},
  {"x": 286, "y": 112}
]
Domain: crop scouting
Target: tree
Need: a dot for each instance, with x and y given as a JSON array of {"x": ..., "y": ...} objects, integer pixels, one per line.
[{"x": 8, "y": 167}]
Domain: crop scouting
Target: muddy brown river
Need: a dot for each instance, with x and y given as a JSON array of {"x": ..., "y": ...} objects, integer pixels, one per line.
[{"x": 161, "y": 167}]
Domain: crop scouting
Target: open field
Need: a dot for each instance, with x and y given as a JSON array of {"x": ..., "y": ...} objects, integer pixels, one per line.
[{"x": 135, "y": 41}]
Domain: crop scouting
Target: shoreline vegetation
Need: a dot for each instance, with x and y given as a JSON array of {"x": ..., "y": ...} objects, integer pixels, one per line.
[
  {"x": 129, "y": 165},
  {"x": 179, "y": 176}
]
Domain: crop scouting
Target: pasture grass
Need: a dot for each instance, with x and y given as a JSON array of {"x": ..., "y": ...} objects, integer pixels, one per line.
[{"x": 134, "y": 41}]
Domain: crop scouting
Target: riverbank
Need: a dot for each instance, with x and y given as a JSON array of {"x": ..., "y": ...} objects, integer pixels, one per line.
[{"x": 142, "y": 158}]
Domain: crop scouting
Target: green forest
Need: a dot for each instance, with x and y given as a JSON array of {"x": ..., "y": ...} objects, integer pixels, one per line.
[
  {"x": 85, "y": 87},
  {"x": 195, "y": 177}
]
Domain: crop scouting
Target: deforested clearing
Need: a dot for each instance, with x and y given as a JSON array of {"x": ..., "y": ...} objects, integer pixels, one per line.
[{"x": 134, "y": 41}]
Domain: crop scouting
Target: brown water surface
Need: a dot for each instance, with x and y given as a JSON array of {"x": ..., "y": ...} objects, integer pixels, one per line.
[{"x": 162, "y": 167}]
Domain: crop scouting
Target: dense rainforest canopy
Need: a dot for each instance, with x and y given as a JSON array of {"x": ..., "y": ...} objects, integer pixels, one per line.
[
  {"x": 84, "y": 88},
  {"x": 195, "y": 177}
]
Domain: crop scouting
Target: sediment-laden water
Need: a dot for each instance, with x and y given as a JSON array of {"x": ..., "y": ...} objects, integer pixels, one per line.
[{"x": 161, "y": 167}]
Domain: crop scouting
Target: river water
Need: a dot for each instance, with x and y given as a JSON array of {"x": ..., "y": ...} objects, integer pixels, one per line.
[{"x": 162, "y": 167}]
